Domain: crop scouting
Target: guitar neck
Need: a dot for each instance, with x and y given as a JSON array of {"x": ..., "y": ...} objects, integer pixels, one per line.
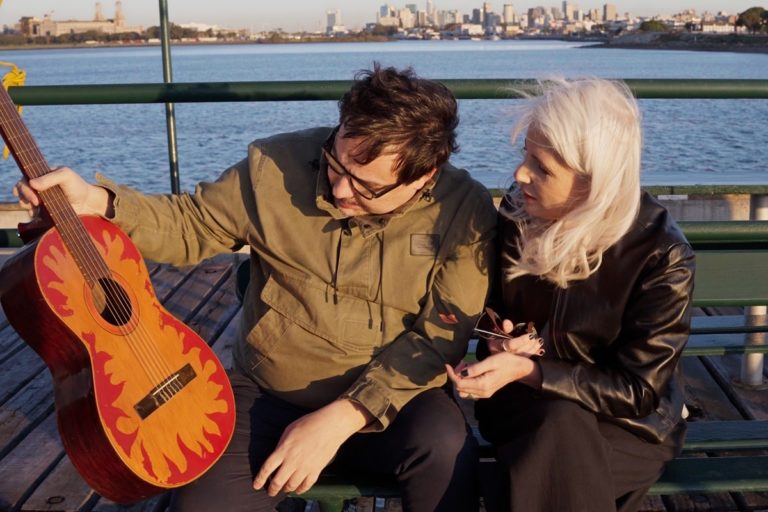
[{"x": 32, "y": 164}]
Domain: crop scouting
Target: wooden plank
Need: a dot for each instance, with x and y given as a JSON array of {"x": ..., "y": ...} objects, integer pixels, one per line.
[
  {"x": 10, "y": 343},
  {"x": 753, "y": 401},
  {"x": 704, "y": 398},
  {"x": 223, "y": 345},
  {"x": 156, "y": 504},
  {"x": 218, "y": 308},
  {"x": 24, "y": 411},
  {"x": 63, "y": 491},
  {"x": 393, "y": 505},
  {"x": 201, "y": 283},
  {"x": 166, "y": 279},
  {"x": 24, "y": 467},
  {"x": 652, "y": 504},
  {"x": 19, "y": 369}
]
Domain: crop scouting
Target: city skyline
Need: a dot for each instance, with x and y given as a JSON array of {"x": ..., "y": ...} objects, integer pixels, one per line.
[{"x": 310, "y": 15}]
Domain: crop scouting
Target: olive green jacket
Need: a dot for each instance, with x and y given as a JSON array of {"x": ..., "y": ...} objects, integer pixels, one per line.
[{"x": 367, "y": 308}]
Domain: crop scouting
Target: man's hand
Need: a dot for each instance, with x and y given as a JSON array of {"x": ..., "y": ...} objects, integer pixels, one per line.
[
  {"x": 308, "y": 445},
  {"x": 84, "y": 197}
]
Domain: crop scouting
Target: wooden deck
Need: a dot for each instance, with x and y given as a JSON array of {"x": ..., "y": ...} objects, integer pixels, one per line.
[{"x": 35, "y": 473}]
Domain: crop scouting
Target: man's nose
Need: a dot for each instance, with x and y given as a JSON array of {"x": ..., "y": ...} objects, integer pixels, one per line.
[{"x": 341, "y": 186}]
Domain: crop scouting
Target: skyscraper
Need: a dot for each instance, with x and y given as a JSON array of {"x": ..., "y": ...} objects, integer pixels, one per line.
[
  {"x": 609, "y": 12},
  {"x": 568, "y": 9},
  {"x": 332, "y": 20},
  {"x": 508, "y": 13}
]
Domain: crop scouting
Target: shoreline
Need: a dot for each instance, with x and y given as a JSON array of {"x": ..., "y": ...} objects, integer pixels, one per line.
[{"x": 686, "y": 41}]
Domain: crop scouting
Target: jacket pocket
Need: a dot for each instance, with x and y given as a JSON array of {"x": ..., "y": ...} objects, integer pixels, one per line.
[
  {"x": 262, "y": 338},
  {"x": 346, "y": 322}
]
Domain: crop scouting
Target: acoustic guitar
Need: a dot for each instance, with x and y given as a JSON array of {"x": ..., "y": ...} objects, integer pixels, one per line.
[{"x": 143, "y": 404}]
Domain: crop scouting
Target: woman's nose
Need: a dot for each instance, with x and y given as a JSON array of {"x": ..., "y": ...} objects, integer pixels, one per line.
[{"x": 522, "y": 175}]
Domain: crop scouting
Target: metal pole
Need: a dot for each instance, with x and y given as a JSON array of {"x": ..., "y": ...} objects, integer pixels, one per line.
[
  {"x": 752, "y": 364},
  {"x": 170, "y": 116}
]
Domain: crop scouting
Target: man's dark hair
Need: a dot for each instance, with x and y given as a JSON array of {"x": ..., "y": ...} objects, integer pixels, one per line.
[{"x": 389, "y": 107}]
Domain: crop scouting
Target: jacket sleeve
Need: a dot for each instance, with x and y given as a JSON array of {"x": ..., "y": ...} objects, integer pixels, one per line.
[
  {"x": 415, "y": 360},
  {"x": 186, "y": 228},
  {"x": 654, "y": 332}
]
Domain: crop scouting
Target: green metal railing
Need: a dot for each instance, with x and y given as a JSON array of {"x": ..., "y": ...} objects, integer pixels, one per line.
[{"x": 192, "y": 92}]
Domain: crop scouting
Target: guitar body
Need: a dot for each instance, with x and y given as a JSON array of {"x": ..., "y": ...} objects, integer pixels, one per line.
[{"x": 143, "y": 404}]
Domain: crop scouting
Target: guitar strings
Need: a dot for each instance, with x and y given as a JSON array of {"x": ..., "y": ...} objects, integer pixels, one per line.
[{"x": 142, "y": 347}]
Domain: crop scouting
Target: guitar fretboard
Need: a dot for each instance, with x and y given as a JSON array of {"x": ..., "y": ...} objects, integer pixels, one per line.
[{"x": 32, "y": 163}]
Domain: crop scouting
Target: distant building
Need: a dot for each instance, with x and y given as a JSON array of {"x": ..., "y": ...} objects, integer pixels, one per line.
[
  {"x": 33, "y": 26},
  {"x": 568, "y": 11},
  {"x": 609, "y": 12},
  {"x": 508, "y": 13},
  {"x": 407, "y": 18},
  {"x": 431, "y": 12},
  {"x": 333, "y": 24}
]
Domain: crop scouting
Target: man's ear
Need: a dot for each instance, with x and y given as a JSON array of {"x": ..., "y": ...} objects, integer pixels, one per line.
[{"x": 419, "y": 183}]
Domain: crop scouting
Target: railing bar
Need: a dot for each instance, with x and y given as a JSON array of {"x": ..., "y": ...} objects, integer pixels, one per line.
[
  {"x": 190, "y": 92},
  {"x": 170, "y": 115}
]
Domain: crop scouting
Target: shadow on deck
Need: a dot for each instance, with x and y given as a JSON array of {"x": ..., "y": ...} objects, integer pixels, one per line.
[{"x": 36, "y": 474}]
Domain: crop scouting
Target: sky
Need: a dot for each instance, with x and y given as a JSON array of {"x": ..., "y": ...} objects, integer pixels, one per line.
[{"x": 295, "y": 15}]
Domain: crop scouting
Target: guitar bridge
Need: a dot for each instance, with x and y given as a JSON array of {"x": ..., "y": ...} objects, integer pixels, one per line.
[{"x": 164, "y": 391}]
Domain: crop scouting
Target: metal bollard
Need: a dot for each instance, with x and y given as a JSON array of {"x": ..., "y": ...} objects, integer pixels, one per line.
[{"x": 752, "y": 364}]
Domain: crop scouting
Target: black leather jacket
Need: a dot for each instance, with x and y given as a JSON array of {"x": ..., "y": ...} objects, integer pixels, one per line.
[{"x": 614, "y": 339}]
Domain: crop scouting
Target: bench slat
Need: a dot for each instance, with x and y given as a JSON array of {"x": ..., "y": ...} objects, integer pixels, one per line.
[
  {"x": 713, "y": 474},
  {"x": 727, "y": 435},
  {"x": 728, "y": 324},
  {"x": 719, "y": 345},
  {"x": 731, "y": 277}
]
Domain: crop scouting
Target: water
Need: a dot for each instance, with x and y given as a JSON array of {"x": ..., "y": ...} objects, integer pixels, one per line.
[{"x": 686, "y": 141}]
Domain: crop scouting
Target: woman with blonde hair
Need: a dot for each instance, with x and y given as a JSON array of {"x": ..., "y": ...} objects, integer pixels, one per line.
[{"x": 585, "y": 417}]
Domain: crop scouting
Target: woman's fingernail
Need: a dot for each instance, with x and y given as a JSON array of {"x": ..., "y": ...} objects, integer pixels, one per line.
[
  {"x": 531, "y": 336},
  {"x": 464, "y": 373}
]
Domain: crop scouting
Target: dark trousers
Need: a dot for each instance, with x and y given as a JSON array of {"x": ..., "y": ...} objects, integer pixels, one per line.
[
  {"x": 554, "y": 455},
  {"x": 428, "y": 449}
]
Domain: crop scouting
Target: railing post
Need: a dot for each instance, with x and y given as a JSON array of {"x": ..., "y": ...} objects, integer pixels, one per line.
[
  {"x": 752, "y": 364},
  {"x": 170, "y": 116}
]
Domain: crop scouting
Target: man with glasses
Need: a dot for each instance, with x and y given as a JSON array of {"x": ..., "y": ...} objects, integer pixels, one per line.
[{"x": 369, "y": 267}]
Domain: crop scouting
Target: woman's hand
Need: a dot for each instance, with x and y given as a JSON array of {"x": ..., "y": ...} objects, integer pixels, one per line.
[
  {"x": 484, "y": 378},
  {"x": 84, "y": 197},
  {"x": 500, "y": 335},
  {"x": 525, "y": 345}
]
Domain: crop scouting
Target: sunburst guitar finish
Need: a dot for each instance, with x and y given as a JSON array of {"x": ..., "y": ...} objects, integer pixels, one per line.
[{"x": 143, "y": 404}]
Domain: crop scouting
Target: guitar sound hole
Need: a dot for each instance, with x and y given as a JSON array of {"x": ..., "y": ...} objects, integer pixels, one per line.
[{"x": 112, "y": 302}]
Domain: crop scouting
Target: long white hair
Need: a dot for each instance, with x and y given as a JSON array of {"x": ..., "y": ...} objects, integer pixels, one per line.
[{"x": 593, "y": 125}]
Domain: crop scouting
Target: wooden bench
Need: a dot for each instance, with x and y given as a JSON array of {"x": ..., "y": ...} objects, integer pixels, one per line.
[
  {"x": 731, "y": 271},
  {"x": 35, "y": 473}
]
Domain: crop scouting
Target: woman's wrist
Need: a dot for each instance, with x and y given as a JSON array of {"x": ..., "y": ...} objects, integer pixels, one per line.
[{"x": 533, "y": 376}]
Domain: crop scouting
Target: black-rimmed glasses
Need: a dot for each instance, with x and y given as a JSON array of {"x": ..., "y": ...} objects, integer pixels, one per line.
[{"x": 356, "y": 183}]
